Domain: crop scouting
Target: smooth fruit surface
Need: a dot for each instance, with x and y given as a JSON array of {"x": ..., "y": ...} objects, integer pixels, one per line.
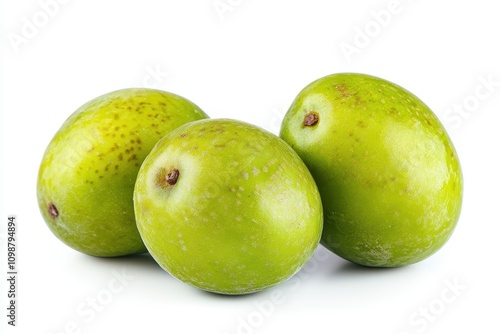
[
  {"x": 227, "y": 207},
  {"x": 388, "y": 174},
  {"x": 87, "y": 174}
]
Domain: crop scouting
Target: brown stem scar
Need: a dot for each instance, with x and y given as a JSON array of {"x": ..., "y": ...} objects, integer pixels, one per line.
[
  {"x": 167, "y": 179},
  {"x": 311, "y": 119},
  {"x": 172, "y": 177},
  {"x": 52, "y": 210}
]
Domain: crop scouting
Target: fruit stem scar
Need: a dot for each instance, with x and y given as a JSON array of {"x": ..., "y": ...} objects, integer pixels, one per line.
[
  {"x": 167, "y": 179},
  {"x": 172, "y": 177},
  {"x": 311, "y": 119},
  {"x": 52, "y": 209}
]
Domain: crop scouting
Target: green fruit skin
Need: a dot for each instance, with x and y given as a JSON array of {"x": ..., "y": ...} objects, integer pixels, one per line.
[
  {"x": 389, "y": 177},
  {"x": 244, "y": 215},
  {"x": 89, "y": 168}
]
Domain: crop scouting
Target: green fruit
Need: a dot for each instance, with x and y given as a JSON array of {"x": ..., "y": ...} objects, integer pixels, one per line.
[
  {"x": 227, "y": 207},
  {"x": 87, "y": 175},
  {"x": 388, "y": 174}
]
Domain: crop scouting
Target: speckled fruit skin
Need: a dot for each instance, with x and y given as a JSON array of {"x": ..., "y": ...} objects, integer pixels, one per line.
[
  {"x": 87, "y": 175},
  {"x": 243, "y": 215},
  {"x": 388, "y": 174}
]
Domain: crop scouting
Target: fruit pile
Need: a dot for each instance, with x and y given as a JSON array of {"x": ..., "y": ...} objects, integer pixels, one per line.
[{"x": 362, "y": 166}]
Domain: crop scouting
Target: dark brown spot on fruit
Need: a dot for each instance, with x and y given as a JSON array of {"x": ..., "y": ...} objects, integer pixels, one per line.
[
  {"x": 183, "y": 135},
  {"x": 311, "y": 119},
  {"x": 167, "y": 179},
  {"x": 52, "y": 210},
  {"x": 173, "y": 176}
]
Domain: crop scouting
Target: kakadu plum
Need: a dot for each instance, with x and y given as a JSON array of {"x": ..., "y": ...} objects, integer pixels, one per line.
[
  {"x": 87, "y": 175},
  {"x": 227, "y": 207},
  {"x": 389, "y": 176}
]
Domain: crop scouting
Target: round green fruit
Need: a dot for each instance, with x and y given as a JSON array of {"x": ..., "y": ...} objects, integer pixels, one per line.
[
  {"x": 388, "y": 174},
  {"x": 87, "y": 175},
  {"x": 227, "y": 207}
]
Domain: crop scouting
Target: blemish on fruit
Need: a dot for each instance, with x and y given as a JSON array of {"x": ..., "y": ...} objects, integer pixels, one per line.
[
  {"x": 172, "y": 177},
  {"x": 167, "y": 179},
  {"x": 311, "y": 119},
  {"x": 343, "y": 91},
  {"x": 183, "y": 135},
  {"x": 52, "y": 210}
]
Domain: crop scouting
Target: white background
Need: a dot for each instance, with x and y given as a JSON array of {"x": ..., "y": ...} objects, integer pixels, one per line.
[{"x": 247, "y": 61}]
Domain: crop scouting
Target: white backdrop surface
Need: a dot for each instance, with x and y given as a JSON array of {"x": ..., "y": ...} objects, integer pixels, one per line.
[{"x": 247, "y": 60}]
